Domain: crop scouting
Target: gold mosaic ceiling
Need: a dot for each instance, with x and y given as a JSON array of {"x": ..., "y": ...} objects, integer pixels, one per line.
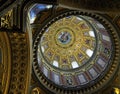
[
  {"x": 68, "y": 43},
  {"x": 74, "y": 50}
]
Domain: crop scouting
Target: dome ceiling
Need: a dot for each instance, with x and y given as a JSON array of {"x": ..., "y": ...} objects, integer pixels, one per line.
[
  {"x": 68, "y": 43},
  {"x": 76, "y": 49},
  {"x": 73, "y": 51}
]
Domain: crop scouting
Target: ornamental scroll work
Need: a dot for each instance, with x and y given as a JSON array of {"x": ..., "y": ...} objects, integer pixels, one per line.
[{"x": 6, "y": 21}]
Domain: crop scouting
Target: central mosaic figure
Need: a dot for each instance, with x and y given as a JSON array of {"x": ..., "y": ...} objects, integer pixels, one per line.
[{"x": 64, "y": 37}]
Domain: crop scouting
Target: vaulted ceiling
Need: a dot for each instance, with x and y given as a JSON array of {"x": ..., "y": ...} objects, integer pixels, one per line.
[{"x": 59, "y": 46}]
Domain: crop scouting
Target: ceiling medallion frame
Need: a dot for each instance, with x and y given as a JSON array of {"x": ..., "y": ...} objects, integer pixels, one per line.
[
  {"x": 62, "y": 42},
  {"x": 104, "y": 79}
]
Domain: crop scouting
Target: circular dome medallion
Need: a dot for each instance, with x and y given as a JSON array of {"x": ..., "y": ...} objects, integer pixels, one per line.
[
  {"x": 73, "y": 51},
  {"x": 64, "y": 37}
]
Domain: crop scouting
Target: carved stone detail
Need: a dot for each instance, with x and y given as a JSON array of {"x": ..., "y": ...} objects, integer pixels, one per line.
[
  {"x": 20, "y": 69},
  {"x": 6, "y": 20}
]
